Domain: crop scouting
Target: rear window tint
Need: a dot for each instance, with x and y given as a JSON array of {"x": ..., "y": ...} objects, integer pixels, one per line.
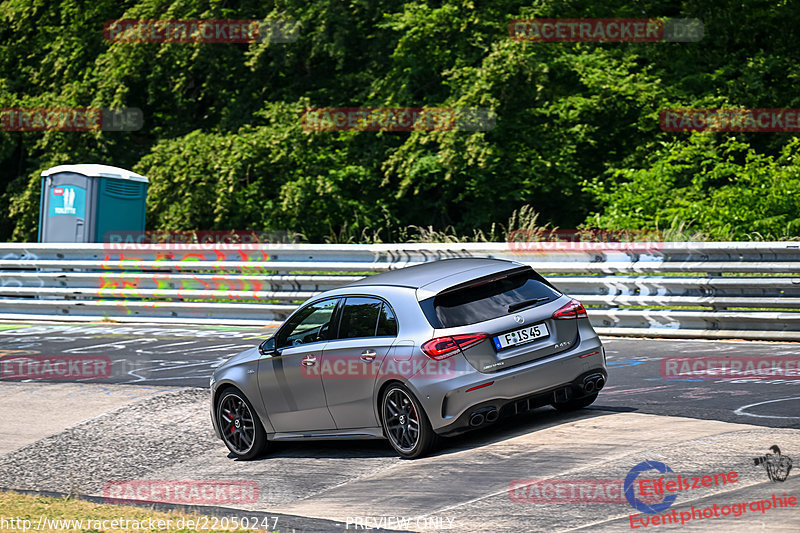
[
  {"x": 387, "y": 323},
  {"x": 359, "y": 318},
  {"x": 487, "y": 300}
]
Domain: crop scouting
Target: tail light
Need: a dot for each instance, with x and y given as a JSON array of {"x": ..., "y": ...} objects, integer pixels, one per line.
[
  {"x": 574, "y": 309},
  {"x": 444, "y": 347}
]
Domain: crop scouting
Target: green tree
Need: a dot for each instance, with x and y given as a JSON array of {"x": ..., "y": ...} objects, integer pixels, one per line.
[{"x": 576, "y": 123}]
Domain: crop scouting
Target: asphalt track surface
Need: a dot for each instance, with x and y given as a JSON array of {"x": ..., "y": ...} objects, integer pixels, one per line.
[
  {"x": 147, "y": 419},
  {"x": 186, "y": 356}
]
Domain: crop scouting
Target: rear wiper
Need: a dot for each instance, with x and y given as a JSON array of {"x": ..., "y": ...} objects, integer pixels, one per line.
[{"x": 527, "y": 303}]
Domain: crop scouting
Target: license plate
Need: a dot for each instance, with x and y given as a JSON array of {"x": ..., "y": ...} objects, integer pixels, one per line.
[{"x": 521, "y": 336}]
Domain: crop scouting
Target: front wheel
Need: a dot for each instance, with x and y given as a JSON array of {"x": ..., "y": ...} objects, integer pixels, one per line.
[
  {"x": 241, "y": 429},
  {"x": 574, "y": 405},
  {"x": 405, "y": 423}
]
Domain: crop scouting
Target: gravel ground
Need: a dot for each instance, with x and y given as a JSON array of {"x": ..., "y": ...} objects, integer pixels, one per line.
[
  {"x": 169, "y": 437},
  {"x": 123, "y": 444}
]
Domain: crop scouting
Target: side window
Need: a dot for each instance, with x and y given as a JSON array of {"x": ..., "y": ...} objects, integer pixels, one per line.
[
  {"x": 312, "y": 324},
  {"x": 387, "y": 323},
  {"x": 359, "y": 317}
]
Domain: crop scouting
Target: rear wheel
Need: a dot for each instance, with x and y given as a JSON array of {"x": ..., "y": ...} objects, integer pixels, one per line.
[
  {"x": 240, "y": 427},
  {"x": 405, "y": 423},
  {"x": 574, "y": 405}
]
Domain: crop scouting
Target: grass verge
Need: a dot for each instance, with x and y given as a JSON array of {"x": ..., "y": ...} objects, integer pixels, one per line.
[{"x": 21, "y": 512}]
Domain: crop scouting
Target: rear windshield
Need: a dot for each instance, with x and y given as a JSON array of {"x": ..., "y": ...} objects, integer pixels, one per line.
[{"x": 490, "y": 299}]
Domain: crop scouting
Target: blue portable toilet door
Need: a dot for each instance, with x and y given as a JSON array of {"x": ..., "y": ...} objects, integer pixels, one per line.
[{"x": 67, "y": 202}]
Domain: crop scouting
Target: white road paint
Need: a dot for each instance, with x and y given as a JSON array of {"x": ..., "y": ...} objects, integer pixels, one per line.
[{"x": 742, "y": 410}]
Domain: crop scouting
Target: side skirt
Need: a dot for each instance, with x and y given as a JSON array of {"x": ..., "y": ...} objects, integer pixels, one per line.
[{"x": 355, "y": 434}]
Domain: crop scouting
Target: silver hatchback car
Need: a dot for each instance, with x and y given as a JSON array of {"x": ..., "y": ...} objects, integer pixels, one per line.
[{"x": 411, "y": 355}]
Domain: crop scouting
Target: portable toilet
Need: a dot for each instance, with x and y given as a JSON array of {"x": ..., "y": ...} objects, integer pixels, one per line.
[{"x": 83, "y": 203}]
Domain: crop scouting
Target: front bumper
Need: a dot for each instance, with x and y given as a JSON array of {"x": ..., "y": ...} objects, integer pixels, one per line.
[{"x": 212, "y": 395}]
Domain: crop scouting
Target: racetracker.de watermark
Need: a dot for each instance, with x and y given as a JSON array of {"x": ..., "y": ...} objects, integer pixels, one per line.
[
  {"x": 200, "y": 31},
  {"x": 55, "y": 367},
  {"x": 397, "y": 119},
  {"x": 182, "y": 492},
  {"x": 730, "y": 120},
  {"x": 715, "y": 367},
  {"x": 567, "y": 491},
  {"x": 190, "y": 239},
  {"x": 605, "y": 30},
  {"x": 590, "y": 239},
  {"x": 148, "y": 524},
  {"x": 79, "y": 119},
  {"x": 357, "y": 367}
]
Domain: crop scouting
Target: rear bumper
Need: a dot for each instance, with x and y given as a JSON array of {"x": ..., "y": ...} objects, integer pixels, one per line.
[
  {"x": 523, "y": 404},
  {"x": 450, "y": 402}
]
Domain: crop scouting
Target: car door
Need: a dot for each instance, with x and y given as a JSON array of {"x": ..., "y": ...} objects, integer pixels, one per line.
[
  {"x": 289, "y": 378},
  {"x": 351, "y": 362}
]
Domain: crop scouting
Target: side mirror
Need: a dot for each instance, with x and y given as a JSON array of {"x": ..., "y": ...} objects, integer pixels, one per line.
[{"x": 268, "y": 347}]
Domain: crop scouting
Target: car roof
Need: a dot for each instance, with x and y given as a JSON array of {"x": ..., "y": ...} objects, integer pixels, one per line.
[{"x": 418, "y": 276}]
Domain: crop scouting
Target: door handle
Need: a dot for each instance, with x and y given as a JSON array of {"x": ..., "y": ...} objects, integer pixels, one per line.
[
  {"x": 309, "y": 360},
  {"x": 368, "y": 355}
]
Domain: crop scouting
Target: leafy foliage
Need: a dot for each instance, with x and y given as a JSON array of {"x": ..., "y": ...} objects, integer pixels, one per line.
[
  {"x": 576, "y": 137},
  {"x": 721, "y": 188}
]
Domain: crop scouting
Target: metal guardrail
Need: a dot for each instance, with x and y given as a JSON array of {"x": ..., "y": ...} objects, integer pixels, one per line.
[{"x": 708, "y": 290}]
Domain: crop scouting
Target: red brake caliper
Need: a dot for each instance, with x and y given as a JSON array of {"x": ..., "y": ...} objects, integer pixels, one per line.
[{"x": 230, "y": 419}]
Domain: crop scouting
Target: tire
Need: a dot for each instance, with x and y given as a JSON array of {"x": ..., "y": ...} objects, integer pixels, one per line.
[
  {"x": 240, "y": 427},
  {"x": 405, "y": 423},
  {"x": 574, "y": 405}
]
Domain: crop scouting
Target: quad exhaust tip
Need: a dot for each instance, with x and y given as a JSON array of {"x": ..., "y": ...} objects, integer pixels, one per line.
[
  {"x": 476, "y": 419},
  {"x": 483, "y": 416},
  {"x": 594, "y": 383}
]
